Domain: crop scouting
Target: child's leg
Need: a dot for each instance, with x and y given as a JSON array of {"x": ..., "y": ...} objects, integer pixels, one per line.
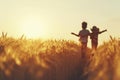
[
  {"x": 93, "y": 45},
  {"x": 83, "y": 49},
  {"x": 96, "y": 44}
]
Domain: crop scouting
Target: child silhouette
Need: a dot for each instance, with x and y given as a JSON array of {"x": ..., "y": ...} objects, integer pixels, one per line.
[
  {"x": 94, "y": 36},
  {"x": 83, "y": 34}
]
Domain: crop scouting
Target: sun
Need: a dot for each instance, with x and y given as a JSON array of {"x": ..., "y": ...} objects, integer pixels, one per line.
[{"x": 34, "y": 28}]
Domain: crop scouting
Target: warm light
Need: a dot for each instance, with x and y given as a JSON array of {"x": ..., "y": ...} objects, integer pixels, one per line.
[{"x": 33, "y": 28}]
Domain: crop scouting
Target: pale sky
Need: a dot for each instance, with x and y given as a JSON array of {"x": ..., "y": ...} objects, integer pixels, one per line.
[{"x": 58, "y": 18}]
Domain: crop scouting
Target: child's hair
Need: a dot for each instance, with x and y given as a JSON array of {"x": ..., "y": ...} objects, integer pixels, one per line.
[
  {"x": 84, "y": 25},
  {"x": 95, "y": 29}
]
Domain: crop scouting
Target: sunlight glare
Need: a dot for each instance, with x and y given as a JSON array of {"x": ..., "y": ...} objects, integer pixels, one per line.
[{"x": 33, "y": 28}]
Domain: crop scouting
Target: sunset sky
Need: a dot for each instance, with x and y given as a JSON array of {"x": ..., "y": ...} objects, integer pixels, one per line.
[{"x": 58, "y": 18}]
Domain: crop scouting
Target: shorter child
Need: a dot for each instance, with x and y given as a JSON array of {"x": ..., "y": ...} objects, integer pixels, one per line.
[{"x": 94, "y": 36}]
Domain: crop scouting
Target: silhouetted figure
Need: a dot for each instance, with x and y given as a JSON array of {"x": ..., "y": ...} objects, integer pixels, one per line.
[
  {"x": 94, "y": 36},
  {"x": 83, "y": 34}
]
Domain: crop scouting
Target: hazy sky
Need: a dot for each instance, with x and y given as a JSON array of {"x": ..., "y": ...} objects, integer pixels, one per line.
[{"x": 57, "y": 18}]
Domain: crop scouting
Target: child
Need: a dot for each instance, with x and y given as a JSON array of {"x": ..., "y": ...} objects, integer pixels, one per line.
[
  {"x": 83, "y": 34},
  {"x": 94, "y": 36}
]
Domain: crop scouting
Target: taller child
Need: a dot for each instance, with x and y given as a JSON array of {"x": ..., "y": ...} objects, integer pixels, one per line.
[{"x": 83, "y": 35}]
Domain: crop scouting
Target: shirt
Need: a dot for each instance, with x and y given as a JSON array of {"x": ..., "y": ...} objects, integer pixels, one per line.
[{"x": 83, "y": 34}]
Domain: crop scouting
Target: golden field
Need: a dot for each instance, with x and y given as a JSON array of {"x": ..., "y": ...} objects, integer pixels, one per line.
[{"x": 28, "y": 59}]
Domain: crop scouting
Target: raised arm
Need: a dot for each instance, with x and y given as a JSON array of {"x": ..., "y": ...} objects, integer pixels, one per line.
[
  {"x": 102, "y": 31},
  {"x": 75, "y": 34}
]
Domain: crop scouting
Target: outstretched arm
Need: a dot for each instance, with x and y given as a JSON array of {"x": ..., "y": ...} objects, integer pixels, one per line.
[
  {"x": 75, "y": 34},
  {"x": 102, "y": 31}
]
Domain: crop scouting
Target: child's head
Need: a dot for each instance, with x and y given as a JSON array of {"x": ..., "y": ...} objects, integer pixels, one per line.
[
  {"x": 84, "y": 25},
  {"x": 95, "y": 29}
]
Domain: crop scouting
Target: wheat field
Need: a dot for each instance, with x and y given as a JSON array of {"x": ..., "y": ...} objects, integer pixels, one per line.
[{"x": 28, "y": 59}]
